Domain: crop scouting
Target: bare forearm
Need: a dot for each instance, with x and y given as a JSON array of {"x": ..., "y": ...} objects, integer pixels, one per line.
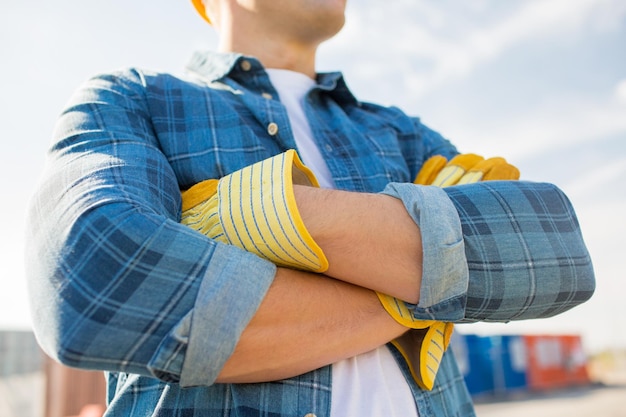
[
  {"x": 369, "y": 239},
  {"x": 307, "y": 321}
]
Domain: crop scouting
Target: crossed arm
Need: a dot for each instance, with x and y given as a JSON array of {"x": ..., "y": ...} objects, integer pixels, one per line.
[
  {"x": 369, "y": 239},
  {"x": 306, "y": 320},
  {"x": 530, "y": 262}
]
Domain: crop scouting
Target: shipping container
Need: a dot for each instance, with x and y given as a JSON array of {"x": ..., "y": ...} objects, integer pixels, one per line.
[
  {"x": 501, "y": 364},
  {"x": 555, "y": 362},
  {"x": 472, "y": 354}
]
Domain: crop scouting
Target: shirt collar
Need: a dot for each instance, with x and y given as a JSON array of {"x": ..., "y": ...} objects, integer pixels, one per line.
[{"x": 213, "y": 66}]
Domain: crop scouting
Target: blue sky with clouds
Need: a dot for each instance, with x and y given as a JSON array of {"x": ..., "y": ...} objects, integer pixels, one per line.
[{"x": 542, "y": 82}]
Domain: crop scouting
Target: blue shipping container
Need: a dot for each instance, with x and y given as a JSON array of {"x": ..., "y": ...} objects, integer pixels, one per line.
[{"x": 491, "y": 364}]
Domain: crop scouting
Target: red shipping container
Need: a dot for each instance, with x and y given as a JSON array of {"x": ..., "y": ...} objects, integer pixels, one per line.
[{"x": 555, "y": 362}]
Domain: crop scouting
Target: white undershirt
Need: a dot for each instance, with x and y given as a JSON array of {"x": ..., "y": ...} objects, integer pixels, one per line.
[
  {"x": 370, "y": 384},
  {"x": 292, "y": 88}
]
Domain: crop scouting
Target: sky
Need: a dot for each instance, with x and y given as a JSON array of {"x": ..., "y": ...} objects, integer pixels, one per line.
[{"x": 541, "y": 82}]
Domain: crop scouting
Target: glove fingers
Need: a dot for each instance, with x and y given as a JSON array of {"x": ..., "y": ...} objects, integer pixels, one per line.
[
  {"x": 502, "y": 172},
  {"x": 478, "y": 172},
  {"x": 199, "y": 210},
  {"x": 198, "y": 193},
  {"x": 430, "y": 169},
  {"x": 455, "y": 169},
  {"x": 204, "y": 218}
]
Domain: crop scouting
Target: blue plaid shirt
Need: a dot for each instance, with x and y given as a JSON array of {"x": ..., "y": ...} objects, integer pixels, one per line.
[{"x": 117, "y": 284}]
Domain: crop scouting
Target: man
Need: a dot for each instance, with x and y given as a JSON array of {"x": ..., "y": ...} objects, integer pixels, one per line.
[{"x": 188, "y": 326}]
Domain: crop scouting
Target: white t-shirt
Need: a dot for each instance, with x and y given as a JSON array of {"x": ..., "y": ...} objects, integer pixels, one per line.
[{"x": 370, "y": 384}]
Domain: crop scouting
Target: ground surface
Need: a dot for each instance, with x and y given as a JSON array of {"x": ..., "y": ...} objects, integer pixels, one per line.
[
  {"x": 595, "y": 401},
  {"x": 604, "y": 397}
]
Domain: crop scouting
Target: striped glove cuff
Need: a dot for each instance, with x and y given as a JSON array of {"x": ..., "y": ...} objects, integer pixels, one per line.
[{"x": 255, "y": 209}]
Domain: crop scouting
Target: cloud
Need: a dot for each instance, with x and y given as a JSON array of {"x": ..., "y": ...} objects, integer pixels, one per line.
[
  {"x": 425, "y": 58},
  {"x": 562, "y": 121},
  {"x": 596, "y": 181},
  {"x": 620, "y": 91},
  {"x": 576, "y": 120}
]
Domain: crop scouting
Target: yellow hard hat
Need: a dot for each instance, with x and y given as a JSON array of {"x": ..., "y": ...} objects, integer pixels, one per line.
[{"x": 200, "y": 9}]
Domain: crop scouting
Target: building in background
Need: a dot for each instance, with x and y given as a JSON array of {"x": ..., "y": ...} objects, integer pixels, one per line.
[
  {"x": 21, "y": 375},
  {"x": 73, "y": 392},
  {"x": 33, "y": 385}
]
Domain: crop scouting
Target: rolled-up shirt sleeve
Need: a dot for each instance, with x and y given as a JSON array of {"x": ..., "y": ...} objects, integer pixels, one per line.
[
  {"x": 115, "y": 282},
  {"x": 445, "y": 274},
  {"x": 497, "y": 251}
]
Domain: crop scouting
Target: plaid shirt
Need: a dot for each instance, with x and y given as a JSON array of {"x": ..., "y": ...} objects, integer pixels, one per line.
[{"x": 117, "y": 284}]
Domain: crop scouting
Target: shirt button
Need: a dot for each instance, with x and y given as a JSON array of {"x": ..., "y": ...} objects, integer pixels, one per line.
[
  {"x": 272, "y": 129},
  {"x": 267, "y": 96},
  {"x": 245, "y": 65}
]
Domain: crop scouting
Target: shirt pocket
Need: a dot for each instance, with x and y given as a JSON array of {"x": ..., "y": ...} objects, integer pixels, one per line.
[{"x": 383, "y": 158}]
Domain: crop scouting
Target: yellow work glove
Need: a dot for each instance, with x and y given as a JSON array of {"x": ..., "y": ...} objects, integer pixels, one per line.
[
  {"x": 255, "y": 209},
  {"x": 423, "y": 347},
  {"x": 464, "y": 169}
]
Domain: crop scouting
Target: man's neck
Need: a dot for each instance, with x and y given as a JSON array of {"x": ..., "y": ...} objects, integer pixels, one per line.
[{"x": 274, "y": 53}]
